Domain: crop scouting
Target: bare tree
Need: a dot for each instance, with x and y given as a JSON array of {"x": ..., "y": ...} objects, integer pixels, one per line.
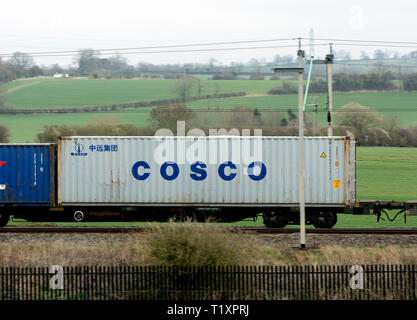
[
  {"x": 391, "y": 122},
  {"x": 20, "y": 62},
  {"x": 87, "y": 61},
  {"x": 4, "y": 134},
  {"x": 3, "y": 95},
  {"x": 183, "y": 88},
  {"x": 118, "y": 63},
  {"x": 200, "y": 88},
  {"x": 6, "y": 72},
  {"x": 166, "y": 116},
  {"x": 364, "y": 55},
  {"x": 216, "y": 89},
  {"x": 342, "y": 55},
  {"x": 359, "y": 117}
]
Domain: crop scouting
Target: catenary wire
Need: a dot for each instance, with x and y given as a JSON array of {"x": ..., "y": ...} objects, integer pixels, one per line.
[
  {"x": 163, "y": 46},
  {"x": 363, "y": 41},
  {"x": 407, "y": 44},
  {"x": 171, "y": 51}
]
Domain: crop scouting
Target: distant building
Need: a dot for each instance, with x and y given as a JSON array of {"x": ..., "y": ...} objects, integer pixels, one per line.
[{"x": 60, "y": 75}]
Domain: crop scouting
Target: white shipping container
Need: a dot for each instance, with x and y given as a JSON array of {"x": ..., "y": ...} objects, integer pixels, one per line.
[{"x": 205, "y": 171}]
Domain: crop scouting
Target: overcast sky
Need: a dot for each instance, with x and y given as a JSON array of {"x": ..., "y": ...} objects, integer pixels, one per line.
[{"x": 54, "y": 25}]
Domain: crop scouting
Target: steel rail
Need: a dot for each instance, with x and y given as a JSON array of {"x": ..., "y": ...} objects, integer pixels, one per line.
[{"x": 260, "y": 230}]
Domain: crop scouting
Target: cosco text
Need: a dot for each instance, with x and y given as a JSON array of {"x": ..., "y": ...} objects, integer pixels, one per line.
[{"x": 227, "y": 170}]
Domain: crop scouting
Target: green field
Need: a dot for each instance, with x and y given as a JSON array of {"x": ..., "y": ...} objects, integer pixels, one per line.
[
  {"x": 383, "y": 102},
  {"x": 85, "y": 92},
  {"x": 386, "y": 173},
  {"x": 49, "y": 93},
  {"x": 23, "y": 128}
]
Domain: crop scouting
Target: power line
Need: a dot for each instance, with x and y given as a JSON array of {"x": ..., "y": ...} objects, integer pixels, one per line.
[
  {"x": 363, "y": 41},
  {"x": 405, "y": 44},
  {"x": 161, "y": 47},
  {"x": 116, "y": 51},
  {"x": 376, "y": 45},
  {"x": 375, "y": 65},
  {"x": 175, "y": 51}
]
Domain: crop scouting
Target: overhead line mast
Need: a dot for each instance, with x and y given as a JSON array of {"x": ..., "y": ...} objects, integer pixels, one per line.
[{"x": 329, "y": 62}]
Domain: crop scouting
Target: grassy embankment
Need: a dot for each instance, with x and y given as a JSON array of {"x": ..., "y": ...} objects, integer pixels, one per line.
[{"x": 188, "y": 244}]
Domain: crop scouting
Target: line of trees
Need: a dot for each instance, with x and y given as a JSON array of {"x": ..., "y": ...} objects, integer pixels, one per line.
[
  {"x": 410, "y": 82},
  {"x": 89, "y": 62},
  {"x": 373, "y": 80},
  {"x": 369, "y": 127},
  {"x": 373, "y": 129},
  {"x": 166, "y": 116},
  {"x": 20, "y": 65},
  {"x": 4, "y": 134},
  {"x": 342, "y": 81}
]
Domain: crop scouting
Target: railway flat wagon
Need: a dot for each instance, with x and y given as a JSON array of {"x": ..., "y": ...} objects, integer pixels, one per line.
[{"x": 225, "y": 177}]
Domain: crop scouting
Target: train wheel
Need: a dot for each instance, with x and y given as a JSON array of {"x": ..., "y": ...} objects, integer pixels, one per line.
[
  {"x": 325, "y": 219},
  {"x": 79, "y": 216},
  {"x": 274, "y": 220},
  {"x": 4, "y": 219}
]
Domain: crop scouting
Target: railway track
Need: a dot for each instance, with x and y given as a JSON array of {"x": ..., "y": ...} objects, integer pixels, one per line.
[{"x": 260, "y": 230}]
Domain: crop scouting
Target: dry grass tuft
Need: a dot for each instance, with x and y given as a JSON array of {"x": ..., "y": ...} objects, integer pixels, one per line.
[
  {"x": 204, "y": 244},
  {"x": 64, "y": 254},
  {"x": 338, "y": 255}
]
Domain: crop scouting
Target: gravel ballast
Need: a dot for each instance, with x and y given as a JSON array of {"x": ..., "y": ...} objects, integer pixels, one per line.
[{"x": 274, "y": 240}]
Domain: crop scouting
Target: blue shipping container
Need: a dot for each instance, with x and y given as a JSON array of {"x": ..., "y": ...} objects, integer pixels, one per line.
[{"x": 27, "y": 174}]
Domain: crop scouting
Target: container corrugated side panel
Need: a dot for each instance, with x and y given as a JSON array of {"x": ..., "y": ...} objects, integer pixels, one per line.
[
  {"x": 25, "y": 174},
  {"x": 90, "y": 176}
]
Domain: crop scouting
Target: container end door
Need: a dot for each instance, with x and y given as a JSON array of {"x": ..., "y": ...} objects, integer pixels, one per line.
[{"x": 25, "y": 174}]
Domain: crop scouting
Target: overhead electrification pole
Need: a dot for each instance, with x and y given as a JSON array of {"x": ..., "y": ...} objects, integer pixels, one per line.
[
  {"x": 301, "y": 106},
  {"x": 329, "y": 63},
  {"x": 300, "y": 54}
]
